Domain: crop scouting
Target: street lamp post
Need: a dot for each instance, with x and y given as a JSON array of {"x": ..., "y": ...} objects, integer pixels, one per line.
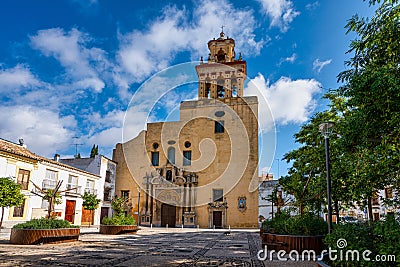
[
  {"x": 326, "y": 129},
  {"x": 138, "y": 206}
]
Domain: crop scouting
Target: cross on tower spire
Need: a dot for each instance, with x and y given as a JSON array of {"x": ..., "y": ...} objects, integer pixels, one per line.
[{"x": 222, "y": 34}]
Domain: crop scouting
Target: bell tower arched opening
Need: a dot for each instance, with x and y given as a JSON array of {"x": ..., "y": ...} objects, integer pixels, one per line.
[{"x": 223, "y": 74}]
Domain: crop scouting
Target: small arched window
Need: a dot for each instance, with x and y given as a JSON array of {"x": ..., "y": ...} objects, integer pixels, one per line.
[
  {"x": 207, "y": 90},
  {"x": 171, "y": 155},
  {"x": 221, "y": 55},
  {"x": 234, "y": 87},
  {"x": 168, "y": 175},
  {"x": 220, "y": 88}
]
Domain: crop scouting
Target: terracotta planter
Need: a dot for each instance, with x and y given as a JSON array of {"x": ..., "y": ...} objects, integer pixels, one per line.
[
  {"x": 293, "y": 242},
  {"x": 37, "y": 236},
  {"x": 118, "y": 229}
]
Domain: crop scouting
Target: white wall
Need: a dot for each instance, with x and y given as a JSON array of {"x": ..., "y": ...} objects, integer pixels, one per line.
[
  {"x": 63, "y": 174},
  {"x": 9, "y": 168},
  {"x": 33, "y": 205}
]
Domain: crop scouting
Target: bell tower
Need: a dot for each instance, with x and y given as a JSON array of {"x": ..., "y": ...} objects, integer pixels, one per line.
[{"x": 222, "y": 76}]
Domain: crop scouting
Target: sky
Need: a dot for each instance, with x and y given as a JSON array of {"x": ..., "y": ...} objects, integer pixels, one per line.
[{"x": 69, "y": 68}]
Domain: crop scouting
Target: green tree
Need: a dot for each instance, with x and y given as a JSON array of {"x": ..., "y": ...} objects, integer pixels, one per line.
[
  {"x": 10, "y": 195},
  {"x": 94, "y": 151},
  {"x": 275, "y": 200},
  {"x": 53, "y": 198},
  {"x": 306, "y": 179},
  {"x": 117, "y": 205},
  {"x": 90, "y": 202},
  {"x": 370, "y": 129}
]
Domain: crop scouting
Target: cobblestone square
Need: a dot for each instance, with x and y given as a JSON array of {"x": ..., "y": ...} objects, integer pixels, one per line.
[{"x": 149, "y": 247}]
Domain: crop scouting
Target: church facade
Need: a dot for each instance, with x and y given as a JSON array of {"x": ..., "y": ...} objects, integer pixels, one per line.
[{"x": 203, "y": 169}]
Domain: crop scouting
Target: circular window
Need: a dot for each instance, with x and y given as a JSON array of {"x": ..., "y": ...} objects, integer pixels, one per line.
[
  {"x": 155, "y": 145},
  {"x": 219, "y": 113},
  {"x": 187, "y": 144}
]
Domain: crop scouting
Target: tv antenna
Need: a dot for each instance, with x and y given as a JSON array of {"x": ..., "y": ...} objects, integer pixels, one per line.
[{"x": 76, "y": 144}]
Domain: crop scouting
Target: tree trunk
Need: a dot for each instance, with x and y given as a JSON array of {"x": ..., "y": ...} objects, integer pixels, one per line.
[
  {"x": 272, "y": 204},
  {"x": 301, "y": 209},
  {"x": 370, "y": 215},
  {"x": 2, "y": 214},
  {"x": 50, "y": 209}
]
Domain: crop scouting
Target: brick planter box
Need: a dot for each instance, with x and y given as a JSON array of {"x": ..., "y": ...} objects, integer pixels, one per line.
[
  {"x": 293, "y": 242},
  {"x": 37, "y": 236},
  {"x": 118, "y": 229}
]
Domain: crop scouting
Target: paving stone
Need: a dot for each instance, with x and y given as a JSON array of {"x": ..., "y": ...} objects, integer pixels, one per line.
[{"x": 174, "y": 247}]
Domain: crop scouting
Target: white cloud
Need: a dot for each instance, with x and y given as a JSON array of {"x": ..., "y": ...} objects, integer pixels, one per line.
[
  {"x": 87, "y": 83},
  {"x": 84, "y": 65},
  {"x": 157, "y": 92},
  {"x": 319, "y": 65},
  {"x": 97, "y": 122},
  {"x": 280, "y": 12},
  {"x": 107, "y": 138},
  {"x": 290, "y": 59},
  {"x": 44, "y": 132},
  {"x": 144, "y": 52},
  {"x": 312, "y": 6},
  {"x": 104, "y": 130},
  {"x": 291, "y": 101},
  {"x": 17, "y": 77}
]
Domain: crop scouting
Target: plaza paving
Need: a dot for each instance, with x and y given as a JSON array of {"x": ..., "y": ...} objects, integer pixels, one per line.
[{"x": 149, "y": 247}]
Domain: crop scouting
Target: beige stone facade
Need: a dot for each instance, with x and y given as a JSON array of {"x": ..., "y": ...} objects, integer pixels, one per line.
[{"x": 203, "y": 169}]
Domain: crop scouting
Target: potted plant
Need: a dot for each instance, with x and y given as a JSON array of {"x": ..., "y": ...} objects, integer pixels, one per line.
[
  {"x": 119, "y": 223},
  {"x": 48, "y": 229},
  {"x": 300, "y": 232},
  {"x": 44, "y": 230}
]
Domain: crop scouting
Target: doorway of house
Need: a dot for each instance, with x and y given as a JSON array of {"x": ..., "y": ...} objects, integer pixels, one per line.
[
  {"x": 168, "y": 215},
  {"x": 87, "y": 217},
  {"x": 70, "y": 210},
  {"x": 104, "y": 213},
  {"x": 217, "y": 218}
]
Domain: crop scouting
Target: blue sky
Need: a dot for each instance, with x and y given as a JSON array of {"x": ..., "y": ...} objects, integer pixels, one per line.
[{"x": 69, "y": 68}]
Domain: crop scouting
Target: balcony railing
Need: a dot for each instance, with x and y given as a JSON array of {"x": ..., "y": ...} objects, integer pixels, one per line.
[
  {"x": 107, "y": 197},
  {"x": 73, "y": 189},
  {"x": 91, "y": 191},
  {"x": 48, "y": 184}
]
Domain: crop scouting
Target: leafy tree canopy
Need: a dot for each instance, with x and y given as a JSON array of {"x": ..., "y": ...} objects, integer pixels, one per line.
[
  {"x": 10, "y": 193},
  {"x": 90, "y": 201}
]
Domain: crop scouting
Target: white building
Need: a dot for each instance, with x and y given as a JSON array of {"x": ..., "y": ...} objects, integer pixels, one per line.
[
  {"x": 265, "y": 189},
  {"x": 106, "y": 169},
  {"x": 379, "y": 208},
  {"x": 29, "y": 169}
]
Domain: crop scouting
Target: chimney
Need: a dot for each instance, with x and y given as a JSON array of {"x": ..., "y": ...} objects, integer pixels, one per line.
[
  {"x": 57, "y": 157},
  {"x": 21, "y": 142}
]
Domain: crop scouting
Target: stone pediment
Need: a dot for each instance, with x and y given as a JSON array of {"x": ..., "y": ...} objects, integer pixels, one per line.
[{"x": 168, "y": 196}]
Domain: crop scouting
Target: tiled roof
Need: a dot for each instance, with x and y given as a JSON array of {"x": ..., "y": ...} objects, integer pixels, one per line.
[
  {"x": 16, "y": 149},
  {"x": 19, "y": 150}
]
